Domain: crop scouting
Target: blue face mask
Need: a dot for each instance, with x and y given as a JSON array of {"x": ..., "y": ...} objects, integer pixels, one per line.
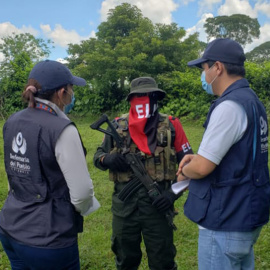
[
  {"x": 69, "y": 106},
  {"x": 205, "y": 85}
]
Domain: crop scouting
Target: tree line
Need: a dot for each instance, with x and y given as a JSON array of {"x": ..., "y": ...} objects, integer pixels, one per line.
[{"x": 129, "y": 45}]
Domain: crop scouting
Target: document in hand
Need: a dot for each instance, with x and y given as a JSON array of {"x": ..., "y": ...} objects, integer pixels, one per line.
[{"x": 180, "y": 186}]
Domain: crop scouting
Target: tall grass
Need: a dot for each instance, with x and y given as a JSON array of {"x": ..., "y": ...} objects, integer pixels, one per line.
[{"x": 94, "y": 242}]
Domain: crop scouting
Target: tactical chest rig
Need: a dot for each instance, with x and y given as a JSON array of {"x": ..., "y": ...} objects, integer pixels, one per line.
[
  {"x": 160, "y": 166},
  {"x": 138, "y": 174}
]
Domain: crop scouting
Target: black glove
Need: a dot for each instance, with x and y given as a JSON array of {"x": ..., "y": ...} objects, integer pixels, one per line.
[
  {"x": 115, "y": 162},
  {"x": 165, "y": 200}
]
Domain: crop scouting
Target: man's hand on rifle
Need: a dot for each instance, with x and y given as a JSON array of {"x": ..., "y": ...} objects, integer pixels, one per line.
[
  {"x": 115, "y": 162},
  {"x": 165, "y": 200}
]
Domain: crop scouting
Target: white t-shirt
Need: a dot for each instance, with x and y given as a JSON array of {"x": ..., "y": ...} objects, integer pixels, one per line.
[
  {"x": 227, "y": 124},
  {"x": 70, "y": 157}
]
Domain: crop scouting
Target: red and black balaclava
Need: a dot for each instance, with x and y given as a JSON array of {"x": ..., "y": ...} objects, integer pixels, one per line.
[{"x": 143, "y": 121}]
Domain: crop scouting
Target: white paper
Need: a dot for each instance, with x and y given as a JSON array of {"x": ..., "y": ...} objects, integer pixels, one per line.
[{"x": 180, "y": 186}]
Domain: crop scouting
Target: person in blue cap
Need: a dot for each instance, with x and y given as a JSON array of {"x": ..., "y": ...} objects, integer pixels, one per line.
[
  {"x": 50, "y": 189},
  {"x": 229, "y": 191}
]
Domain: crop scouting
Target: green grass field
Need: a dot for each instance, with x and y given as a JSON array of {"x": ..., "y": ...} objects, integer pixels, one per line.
[{"x": 94, "y": 242}]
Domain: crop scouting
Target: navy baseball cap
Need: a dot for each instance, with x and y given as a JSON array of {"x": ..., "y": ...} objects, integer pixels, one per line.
[
  {"x": 224, "y": 50},
  {"x": 53, "y": 75}
]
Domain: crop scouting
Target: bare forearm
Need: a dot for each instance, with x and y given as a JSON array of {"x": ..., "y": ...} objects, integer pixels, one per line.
[{"x": 194, "y": 167}]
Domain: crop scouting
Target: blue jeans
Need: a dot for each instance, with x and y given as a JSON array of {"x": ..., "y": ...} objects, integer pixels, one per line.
[
  {"x": 219, "y": 250},
  {"x": 23, "y": 257}
]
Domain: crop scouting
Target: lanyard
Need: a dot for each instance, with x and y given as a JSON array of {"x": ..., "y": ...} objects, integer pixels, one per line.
[{"x": 45, "y": 107}]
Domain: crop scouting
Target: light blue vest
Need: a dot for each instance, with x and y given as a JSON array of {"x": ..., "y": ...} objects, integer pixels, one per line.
[{"x": 236, "y": 195}]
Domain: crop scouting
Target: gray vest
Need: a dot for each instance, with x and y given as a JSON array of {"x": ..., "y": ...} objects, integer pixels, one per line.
[{"x": 38, "y": 210}]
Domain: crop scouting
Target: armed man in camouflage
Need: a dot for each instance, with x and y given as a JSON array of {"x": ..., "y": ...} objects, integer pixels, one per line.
[{"x": 162, "y": 143}]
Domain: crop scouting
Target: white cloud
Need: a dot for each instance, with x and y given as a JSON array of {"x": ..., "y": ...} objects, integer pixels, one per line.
[
  {"x": 7, "y": 28},
  {"x": 185, "y": 2},
  {"x": 237, "y": 7},
  {"x": 58, "y": 35},
  {"x": 264, "y": 37},
  {"x": 61, "y": 60},
  {"x": 207, "y": 5},
  {"x": 199, "y": 27},
  {"x": 61, "y": 36},
  {"x": 263, "y": 7},
  {"x": 158, "y": 11},
  {"x": 243, "y": 7}
]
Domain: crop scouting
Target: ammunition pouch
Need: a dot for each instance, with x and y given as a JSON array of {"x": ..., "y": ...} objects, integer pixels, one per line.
[{"x": 162, "y": 165}]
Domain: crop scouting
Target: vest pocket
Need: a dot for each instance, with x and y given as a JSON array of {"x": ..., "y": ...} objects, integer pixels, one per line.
[
  {"x": 198, "y": 200},
  {"x": 169, "y": 164},
  {"x": 261, "y": 176},
  {"x": 26, "y": 190},
  {"x": 158, "y": 166},
  {"x": 260, "y": 197},
  {"x": 163, "y": 165}
]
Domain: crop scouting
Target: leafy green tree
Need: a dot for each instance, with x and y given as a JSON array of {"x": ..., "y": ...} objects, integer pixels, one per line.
[
  {"x": 185, "y": 96},
  {"x": 258, "y": 75},
  {"x": 11, "y": 87},
  {"x": 128, "y": 45},
  {"x": 15, "y": 44},
  {"x": 260, "y": 54},
  {"x": 20, "y": 52},
  {"x": 121, "y": 21},
  {"x": 238, "y": 27}
]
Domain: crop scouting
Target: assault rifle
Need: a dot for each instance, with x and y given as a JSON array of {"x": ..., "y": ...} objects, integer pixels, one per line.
[{"x": 140, "y": 176}]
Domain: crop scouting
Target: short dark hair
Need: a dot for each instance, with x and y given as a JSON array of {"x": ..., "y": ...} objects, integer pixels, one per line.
[{"x": 231, "y": 68}]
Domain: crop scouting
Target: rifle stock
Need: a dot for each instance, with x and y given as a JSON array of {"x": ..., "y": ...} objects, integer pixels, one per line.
[{"x": 104, "y": 119}]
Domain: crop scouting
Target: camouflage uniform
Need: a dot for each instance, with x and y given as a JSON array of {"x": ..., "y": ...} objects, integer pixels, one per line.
[{"x": 137, "y": 217}]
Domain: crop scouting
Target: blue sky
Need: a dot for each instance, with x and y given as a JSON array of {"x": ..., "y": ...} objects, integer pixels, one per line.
[{"x": 71, "y": 21}]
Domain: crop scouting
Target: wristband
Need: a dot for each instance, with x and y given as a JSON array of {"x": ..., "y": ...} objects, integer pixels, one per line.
[{"x": 183, "y": 173}]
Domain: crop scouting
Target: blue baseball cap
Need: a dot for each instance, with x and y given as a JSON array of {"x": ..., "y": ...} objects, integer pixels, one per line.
[
  {"x": 224, "y": 50},
  {"x": 53, "y": 75}
]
